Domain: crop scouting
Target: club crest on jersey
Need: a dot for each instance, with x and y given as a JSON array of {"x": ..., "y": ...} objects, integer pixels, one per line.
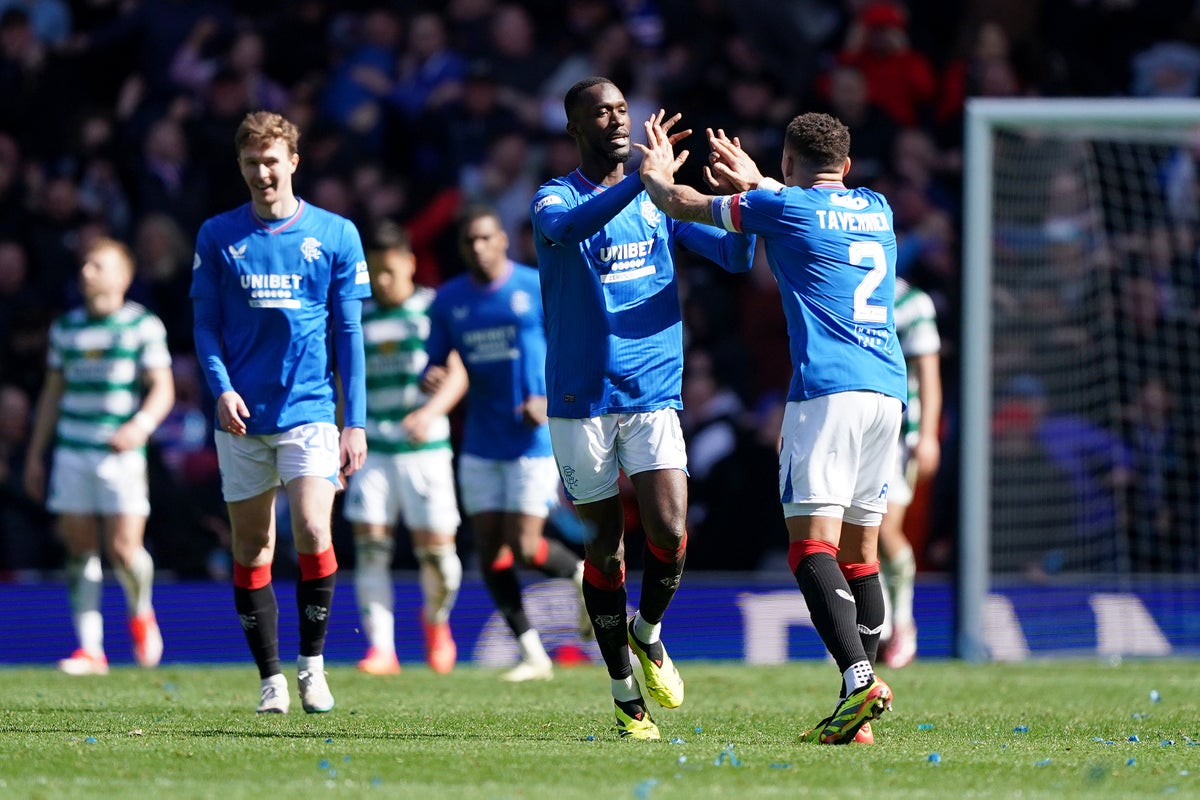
[
  {"x": 650, "y": 212},
  {"x": 521, "y": 302},
  {"x": 237, "y": 252},
  {"x": 460, "y": 312},
  {"x": 310, "y": 248},
  {"x": 848, "y": 201}
]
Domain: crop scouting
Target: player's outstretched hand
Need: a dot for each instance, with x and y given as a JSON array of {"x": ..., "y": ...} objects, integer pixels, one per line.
[
  {"x": 729, "y": 168},
  {"x": 659, "y": 161}
]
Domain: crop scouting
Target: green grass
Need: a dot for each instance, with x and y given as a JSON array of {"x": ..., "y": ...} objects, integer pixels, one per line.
[{"x": 191, "y": 732}]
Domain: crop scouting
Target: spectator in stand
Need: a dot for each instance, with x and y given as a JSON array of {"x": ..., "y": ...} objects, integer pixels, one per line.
[
  {"x": 872, "y": 131},
  {"x": 23, "y": 522},
  {"x": 169, "y": 181},
  {"x": 900, "y": 79}
]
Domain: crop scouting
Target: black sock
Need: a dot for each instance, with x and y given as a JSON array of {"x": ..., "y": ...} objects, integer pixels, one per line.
[
  {"x": 258, "y": 612},
  {"x": 559, "y": 561},
  {"x": 313, "y": 600},
  {"x": 833, "y": 614},
  {"x": 868, "y": 599},
  {"x": 607, "y": 610},
  {"x": 505, "y": 589},
  {"x": 660, "y": 581}
]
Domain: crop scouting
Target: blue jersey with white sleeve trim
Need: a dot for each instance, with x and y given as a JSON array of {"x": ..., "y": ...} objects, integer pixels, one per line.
[
  {"x": 277, "y": 284},
  {"x": 498, "y": 330},
  {"x": 833, "y": 253},
  {"x": 609, "y": 287}
]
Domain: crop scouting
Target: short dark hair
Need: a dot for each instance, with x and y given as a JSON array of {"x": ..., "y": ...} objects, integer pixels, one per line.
[
  {"x": 819, "y": 139},
  {"x": 473, "y": 212},
  {"x": 388, "y": 235},
  {"x": 571, "y": 99}
]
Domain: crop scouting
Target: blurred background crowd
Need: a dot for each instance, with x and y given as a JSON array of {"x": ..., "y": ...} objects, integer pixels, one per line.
[{"x": 117, "y": 118}]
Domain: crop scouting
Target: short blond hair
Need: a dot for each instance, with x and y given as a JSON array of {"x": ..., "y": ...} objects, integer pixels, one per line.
[
  {"x": 117, "y": 246},
  {"x": 264, "y": 128}
]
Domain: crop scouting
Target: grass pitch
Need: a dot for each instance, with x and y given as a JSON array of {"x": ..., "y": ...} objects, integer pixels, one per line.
[{"x": 1042, "y": 729}]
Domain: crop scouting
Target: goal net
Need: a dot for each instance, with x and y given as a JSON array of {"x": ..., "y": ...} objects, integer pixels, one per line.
[{"x": 1081, "y": 343}]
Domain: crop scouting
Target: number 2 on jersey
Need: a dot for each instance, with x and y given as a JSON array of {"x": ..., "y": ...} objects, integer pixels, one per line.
[{"x": 873, "y": 252}]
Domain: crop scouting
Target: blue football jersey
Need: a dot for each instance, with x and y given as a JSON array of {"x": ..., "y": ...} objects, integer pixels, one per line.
[
  {"x": 833, "y": 252},
  {"x": 613, "y": 322},
  {"x": 275, "y": 282},
  {"x": 499, "y": 332}
]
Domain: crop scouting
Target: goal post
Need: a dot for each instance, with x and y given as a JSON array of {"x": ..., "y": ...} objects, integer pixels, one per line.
[{"x": 1070, "y": 208}]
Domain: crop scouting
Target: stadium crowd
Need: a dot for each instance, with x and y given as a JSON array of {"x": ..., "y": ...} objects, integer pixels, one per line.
[{"x": 117, "y": 119}]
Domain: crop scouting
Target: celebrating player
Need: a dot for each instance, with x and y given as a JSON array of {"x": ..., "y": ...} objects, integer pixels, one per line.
[
  {"x": 833, "y": 252},
  {"x": 272, "y": 282},
  {"x": 409, "y": 472},
  {"x": 101, "y": 358},
  {"x": 492, "y": 317},
  {"x": 614, "y": 371}
]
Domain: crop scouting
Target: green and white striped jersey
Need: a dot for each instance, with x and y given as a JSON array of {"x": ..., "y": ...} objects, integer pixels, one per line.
[
  {"x": 103, "y": 362},
  {"x": 394, "y": 339},
  {"x": 916, "y": 330}
]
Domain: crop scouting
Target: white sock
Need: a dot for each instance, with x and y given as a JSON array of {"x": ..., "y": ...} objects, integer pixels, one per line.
[
  {"x": 857, "y": 676},
  {"x": 373, "y": 590},
  {"x": 441, "y": 576},
  {"x": 84, "y": 583},
  {"x": 137, "y": 579},
  {"x": 625, "y": 689},
  {"x": 530, "y": 643},
  {"x": 310, "y": 663},
  {"x": 901, "y": 572},
  {"x": 644, "y": 631}
]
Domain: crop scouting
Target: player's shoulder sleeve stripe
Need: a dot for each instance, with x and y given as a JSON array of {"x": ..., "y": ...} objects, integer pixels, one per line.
[{"x": 727, "y": 212}]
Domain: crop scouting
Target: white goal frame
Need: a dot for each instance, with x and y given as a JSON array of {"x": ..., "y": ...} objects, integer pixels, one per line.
[{"x": 983, "y": 118}]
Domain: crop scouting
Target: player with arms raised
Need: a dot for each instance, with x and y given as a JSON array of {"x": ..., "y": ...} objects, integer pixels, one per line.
[
  {"x": 614, "y": 370},
  {"x": 277, "y": 287},
  {"x": 833, "y": 252}
]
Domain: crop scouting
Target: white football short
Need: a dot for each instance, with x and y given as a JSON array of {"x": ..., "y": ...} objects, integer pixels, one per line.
[
  {"x": 417, "y": 487},
  {"x": 250, "y": 465},
  {"x": 521, "y": 485},
  {"x": 98, "y": 482},
  {"x": 838, "y": 451},
  {"x": 591, "y": 452}
]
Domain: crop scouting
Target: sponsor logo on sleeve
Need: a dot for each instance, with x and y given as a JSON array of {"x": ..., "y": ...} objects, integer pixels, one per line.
[
  {"x": 361, "y": 274},
  {"x": 548, "y": 200}
]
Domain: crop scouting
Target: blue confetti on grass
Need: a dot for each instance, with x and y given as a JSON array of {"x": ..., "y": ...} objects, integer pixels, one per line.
[
  {"x": 591, "y": 737},
  {"x": 677, "y": 740},
  {"x": 1045, "y": 762},
  {"x": 1021, "y": 729},
  {"x": 1155, "y": 696},
  {"x": 90, "y": 740},
  {"x": 699, "y": 729},
  {"x": 1166, "y": 742},
  {"x": 727, "y": 755},
  {"x": 346, "y": 759},
  {"x": 642, "y": 790},
  {"x": 1131, "y": 762},
  {"x": 934, "y": 758},
  {"x": 1133, "y": 737},
  {"x": 925, "y": 726},
  {"x": 376, "y": 780},
  {"x": 781, "y": 765},
  {"x": 681, "y": 760},
  {"x": 323, "y": 764}
]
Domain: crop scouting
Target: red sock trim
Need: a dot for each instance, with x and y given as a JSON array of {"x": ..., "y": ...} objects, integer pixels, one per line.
[
  {"x": 608, "y": 583},
  {"x": 251, "y": 577},
  {"x": 668, "y": 556},
  {"x": 798, "y": 551},
  {"x": 541, "y": 554},
  {"x": 504, "y": 560},
  {"x": 317, "y": 565},
  {"x": 859, "y": 570}
]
